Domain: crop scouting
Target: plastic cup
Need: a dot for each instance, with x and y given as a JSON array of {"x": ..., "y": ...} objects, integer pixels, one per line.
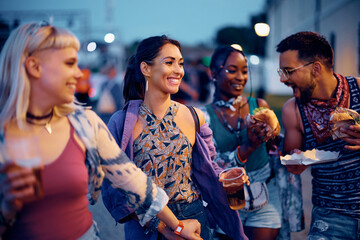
[
  {"x": 25, "y": 153},
  {"x": 234, "y": 188}
]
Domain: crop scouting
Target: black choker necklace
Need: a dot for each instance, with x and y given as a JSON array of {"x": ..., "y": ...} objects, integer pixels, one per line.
[
  {"x": 32, "y": 120},
  {"x": 31, "y": 116}
]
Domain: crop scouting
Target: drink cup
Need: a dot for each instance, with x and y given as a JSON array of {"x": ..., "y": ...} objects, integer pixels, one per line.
[
  {"x": 234, "y": 188},
  {"x": 25, "y": 153}
]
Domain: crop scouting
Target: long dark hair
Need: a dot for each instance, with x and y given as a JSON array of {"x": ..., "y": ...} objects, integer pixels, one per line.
[{"x": 147, "y": 51}]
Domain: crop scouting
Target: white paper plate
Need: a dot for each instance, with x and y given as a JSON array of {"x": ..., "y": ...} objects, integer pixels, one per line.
[{"x": 309, "y": 157}]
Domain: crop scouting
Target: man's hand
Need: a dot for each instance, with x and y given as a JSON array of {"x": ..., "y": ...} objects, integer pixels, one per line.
[
  {"x": 296, "y": 169},
  {"x": 354, "y": 137}
]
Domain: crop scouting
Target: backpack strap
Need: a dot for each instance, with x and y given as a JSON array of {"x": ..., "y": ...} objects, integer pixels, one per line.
[{"x": 196, "y": 118}]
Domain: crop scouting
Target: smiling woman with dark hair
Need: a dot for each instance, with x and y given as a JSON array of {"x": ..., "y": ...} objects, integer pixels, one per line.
[
  {"x": 240, "y": 144},
  {"x": 170, "y": 142}
]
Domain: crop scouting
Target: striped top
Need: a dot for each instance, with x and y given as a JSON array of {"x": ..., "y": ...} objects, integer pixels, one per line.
[{"x": 336, "y": 185}]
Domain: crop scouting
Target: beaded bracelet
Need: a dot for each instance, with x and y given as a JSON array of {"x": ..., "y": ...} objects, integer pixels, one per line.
[{"x": 153, "y": 226}]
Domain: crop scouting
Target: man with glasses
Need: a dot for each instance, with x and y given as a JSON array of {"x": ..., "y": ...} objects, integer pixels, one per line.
[{"x": 306, "y": 65}]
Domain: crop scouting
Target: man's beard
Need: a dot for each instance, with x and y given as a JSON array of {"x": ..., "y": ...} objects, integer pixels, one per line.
[{"x": 306, "y": 93}]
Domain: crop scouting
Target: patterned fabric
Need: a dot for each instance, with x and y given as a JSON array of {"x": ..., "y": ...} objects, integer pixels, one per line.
[
  {"x": 318, "y": 112},
  {"x": 336, "y": 185},
  {"x": 104, "y": 158},
  {"x": 164, "y": 152},
  {"x": 204, "y": 173}
]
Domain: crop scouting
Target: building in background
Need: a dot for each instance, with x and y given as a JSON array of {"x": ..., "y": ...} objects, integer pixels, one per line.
[{"x": 337, "y": 20}]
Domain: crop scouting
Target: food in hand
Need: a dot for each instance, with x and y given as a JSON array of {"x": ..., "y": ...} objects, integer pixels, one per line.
[
  {"x": 342, "y": 117},
  {"x": 267, "y": 116}
]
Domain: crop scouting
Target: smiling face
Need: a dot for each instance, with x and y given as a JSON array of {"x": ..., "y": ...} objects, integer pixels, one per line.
[
  {"x": 59, "y": 74},
  {"x": 166, "y": 71},
  {"x": 233, "y": 76},
  {"x": 301, "y": 80}
]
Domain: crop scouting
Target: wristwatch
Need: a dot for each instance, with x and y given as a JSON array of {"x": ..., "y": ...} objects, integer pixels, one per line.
[{"x": 179, "y": 228}]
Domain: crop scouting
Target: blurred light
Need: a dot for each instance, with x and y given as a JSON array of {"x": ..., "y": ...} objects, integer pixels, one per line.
[
  {"x": 237, "y": 47},
  {"x": 109, "y": 37},
  {"x": 92, "y": 92},
  {"x": 262, "y": 29},
  {"x": 91, "y": 46},
  {"x": 254, "y": 60}
]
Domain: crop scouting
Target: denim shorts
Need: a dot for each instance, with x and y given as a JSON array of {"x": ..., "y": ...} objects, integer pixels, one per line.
[
  {"x": 92, "y": 233},
  {"x": 327, "y": 224},
  {"x": 194, "y": 210},
  {"x": 269, "y": 216}
]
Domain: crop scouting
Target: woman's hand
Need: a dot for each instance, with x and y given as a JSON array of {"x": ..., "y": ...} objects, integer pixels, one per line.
[
  {"x": 354, "y": 132},
  {"x": 233, "y": 173},
  {"x": 258, "y": 133},
  {"x": 16, "y": 185}
]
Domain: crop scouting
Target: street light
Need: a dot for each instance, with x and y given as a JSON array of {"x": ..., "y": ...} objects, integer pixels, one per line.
[
  {"x": 109, "y": 37},
  {"x": 91, "y": 46},
  {"x": 262, "y": 29}
]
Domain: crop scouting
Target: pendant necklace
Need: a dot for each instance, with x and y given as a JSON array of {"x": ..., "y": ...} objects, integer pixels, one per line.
[
  {"x": 230, "y": 104},
  {"x": 30, "y": 118}
]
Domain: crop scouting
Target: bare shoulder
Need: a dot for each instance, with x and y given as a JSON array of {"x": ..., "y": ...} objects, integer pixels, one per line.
[
  {"x": 290, "y": 115},
  {"x": 358, "y": 81},
  {"x": 200, "y": 115},
  {"x": 262, "y": 103},
  {"x": 289, "y": 106},
  {"x": 186, "y": 111}
]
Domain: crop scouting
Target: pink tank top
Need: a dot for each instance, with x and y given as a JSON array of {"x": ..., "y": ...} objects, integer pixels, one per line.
[{"x": 63, "y": 212}]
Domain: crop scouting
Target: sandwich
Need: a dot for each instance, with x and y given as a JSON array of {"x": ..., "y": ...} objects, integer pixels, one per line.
[
  {"x": 342, "y": 117},
  {"x": 265, "y": 115}
]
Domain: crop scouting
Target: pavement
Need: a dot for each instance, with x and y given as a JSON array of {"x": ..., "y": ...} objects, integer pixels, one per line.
[
  {"x": 307, "y": 205},
  {"x": 106, "y": 224},
  {"x": 110, "y": 230}
]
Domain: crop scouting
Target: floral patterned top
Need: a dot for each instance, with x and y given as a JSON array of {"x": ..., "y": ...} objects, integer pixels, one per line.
[{"x": 164, "y": 152}]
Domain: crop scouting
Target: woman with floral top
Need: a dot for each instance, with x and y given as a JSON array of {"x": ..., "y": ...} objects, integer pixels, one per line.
[{"x": 160, "y": 136}]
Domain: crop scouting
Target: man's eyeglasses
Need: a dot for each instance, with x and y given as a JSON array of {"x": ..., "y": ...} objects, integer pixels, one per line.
[{"x": 286, "y": 73}]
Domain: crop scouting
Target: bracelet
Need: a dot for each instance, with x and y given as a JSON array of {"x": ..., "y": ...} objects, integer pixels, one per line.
[
  {"x": 153, "y": 226},
  {"x": 238, "y": 159}
]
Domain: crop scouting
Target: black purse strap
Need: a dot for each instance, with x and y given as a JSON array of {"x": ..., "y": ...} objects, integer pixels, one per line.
[{"x": 196, "y": 118}]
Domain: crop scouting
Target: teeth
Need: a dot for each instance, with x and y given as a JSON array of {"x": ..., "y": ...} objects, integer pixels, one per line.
[
  {"x": 237, "y": 86},
  {"x": 173, "y": 80},
  {"x": 72, "y": 85}
]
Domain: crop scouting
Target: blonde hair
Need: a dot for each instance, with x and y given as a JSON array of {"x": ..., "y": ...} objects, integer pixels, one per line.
[{"x": 14, "y": 81}]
